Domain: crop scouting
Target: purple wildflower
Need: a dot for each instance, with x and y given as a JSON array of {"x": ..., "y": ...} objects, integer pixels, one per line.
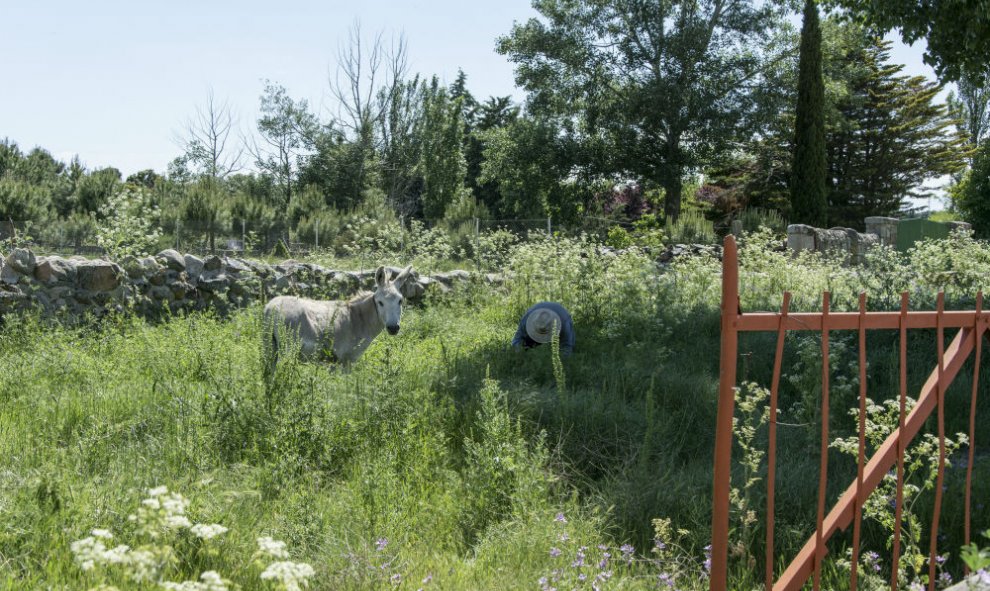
[
  {"x": 602, "y": 547},
  {"x": 560, "y": 517},
  {"x": 627, "y": 549},
  {"x": 428, "y": 579},
  {"x": 940, "y": 559},
  {"x": 666, "y": 579},
  {"x": 582, "y": 577},
  {"x": 396, "y": 579},
  {"x": 381, "y": 543},
  {"x": 554, "y": 552},
  {"x": 563, "y": 537},
  {"x": 579, "y": 558},
  {"x": 944, "y": 579},
  {"x": 659, "y": 544}
]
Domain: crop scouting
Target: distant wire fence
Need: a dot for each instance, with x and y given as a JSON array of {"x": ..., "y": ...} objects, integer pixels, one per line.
[{"x": 246, "y": 238}]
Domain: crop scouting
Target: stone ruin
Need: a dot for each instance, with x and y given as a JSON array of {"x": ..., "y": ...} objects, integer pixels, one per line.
[{"x": 879, "y": 230}]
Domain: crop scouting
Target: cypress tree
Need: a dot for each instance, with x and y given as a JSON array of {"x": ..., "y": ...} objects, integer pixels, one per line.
[{"x": 808, "y": 187}]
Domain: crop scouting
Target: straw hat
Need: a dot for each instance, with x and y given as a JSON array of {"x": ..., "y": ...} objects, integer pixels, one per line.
[{"x": 539, "y": 325}]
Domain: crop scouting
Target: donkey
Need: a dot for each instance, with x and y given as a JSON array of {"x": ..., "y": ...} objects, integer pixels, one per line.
[{"x": 337, "y": 330}]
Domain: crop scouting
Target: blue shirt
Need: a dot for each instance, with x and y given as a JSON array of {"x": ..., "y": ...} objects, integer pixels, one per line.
[{"x": 566, "y": 330}]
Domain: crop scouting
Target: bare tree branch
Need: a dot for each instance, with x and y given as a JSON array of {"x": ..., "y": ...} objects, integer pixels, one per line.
[{"x": 206, "y": 141}]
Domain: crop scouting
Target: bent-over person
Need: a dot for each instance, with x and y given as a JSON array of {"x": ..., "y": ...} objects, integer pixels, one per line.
[{"x": 536, "y": 327}]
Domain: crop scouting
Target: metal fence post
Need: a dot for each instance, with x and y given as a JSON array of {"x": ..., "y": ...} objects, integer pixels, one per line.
[
  {"x": 549, "y": 227},
  {"x": 176, "y": 234},
  {"x": 317, "y": 233},
  {"x": 726, "y": 408}
]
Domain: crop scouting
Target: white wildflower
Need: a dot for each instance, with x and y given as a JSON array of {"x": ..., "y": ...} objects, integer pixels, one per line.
[
  {"x": 102, "y": 533},
  {"x": 177, "y": 522},
  {"x": 271, "y": 547},
  {"x": 161, "y": 512},
  {"x": 213, "y": 581},
  {"x": 209, "y": 581},
  {"x": 88, "y": 552},
  {"x": 157, "y": 491},
  {"x": 292, "y": 575},
  {"x": 208, "y": 532},
  {"x": 116, "y": 555},
  {"x": 143, "y": 565}
]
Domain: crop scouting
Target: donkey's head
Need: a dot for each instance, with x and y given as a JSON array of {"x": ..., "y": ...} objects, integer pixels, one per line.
[{"x": 388, "y": 297}]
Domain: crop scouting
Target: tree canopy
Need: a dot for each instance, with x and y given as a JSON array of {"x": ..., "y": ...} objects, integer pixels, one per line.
[{"x": 957, "y": 31}]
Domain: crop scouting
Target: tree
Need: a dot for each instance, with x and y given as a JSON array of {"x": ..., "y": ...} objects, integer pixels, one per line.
[
  {"x": 495, "y": 113},
  {"x": 972, "y": 106},
  {"x": 885, "y": 134},
  {"x": 529, "y": 161},
  {"x": 286, "y": 129},
  {"x": 973, "y": 197},
  {"x": 147, "y": 178},
  {"x": 809, "y": 199},
  {"x": 94, "y": 190},
  {"x": 401, "y": 146},
  {"x": 203, "y": 209},
  {"x": 206, "y": 143},
  {"x": 957, "y": 32},
  {"x": 888, "y": 135},
  {"x": 662, "y": 86},
  {"x": 442, "y": 165},
  {"x": 370, "y": 78}
]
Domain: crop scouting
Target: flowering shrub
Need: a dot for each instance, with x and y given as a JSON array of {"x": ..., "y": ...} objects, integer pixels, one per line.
[
  {"x": 129, "y": 224},
  {"x": 159, "y": 520}
]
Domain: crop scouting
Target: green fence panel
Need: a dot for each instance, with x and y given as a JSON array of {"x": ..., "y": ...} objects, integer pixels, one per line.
[{"x": 911, "y": 231}]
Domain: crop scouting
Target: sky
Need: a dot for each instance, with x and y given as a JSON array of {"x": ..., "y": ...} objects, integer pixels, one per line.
[{"x": 116, "y": 81}]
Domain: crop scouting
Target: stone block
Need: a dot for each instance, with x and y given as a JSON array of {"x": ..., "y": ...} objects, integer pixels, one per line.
[
  {"x": 22, "y": 260},
  {"x": 99, "y": 275},
  {"x": 173, "y": 260},
  {"x": 800, "y": 237},
  {"x": 52, "y": 270}
]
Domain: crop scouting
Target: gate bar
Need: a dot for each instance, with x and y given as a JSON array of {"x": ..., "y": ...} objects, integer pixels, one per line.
[
  {"x": 841, "y": 514},
  {"x": 972, "y": 426},
  {"x": 772, "y": 440},
  {"x": 902, "y": 413}
]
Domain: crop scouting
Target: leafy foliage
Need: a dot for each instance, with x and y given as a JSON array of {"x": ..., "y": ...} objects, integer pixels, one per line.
[{"x": 128, "y": 226}]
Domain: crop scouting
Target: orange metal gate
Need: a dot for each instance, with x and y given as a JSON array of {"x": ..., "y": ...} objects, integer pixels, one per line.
[{"x": 808, "y": 562}]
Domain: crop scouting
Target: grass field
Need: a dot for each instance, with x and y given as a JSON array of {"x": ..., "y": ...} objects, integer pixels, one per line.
[{"x": 444, "y": 459}]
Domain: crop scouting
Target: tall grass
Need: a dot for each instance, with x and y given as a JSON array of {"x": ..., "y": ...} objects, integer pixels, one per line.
[{"x": 472, "y": 460}]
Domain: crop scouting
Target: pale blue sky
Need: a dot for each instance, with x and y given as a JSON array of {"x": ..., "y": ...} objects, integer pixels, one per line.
[{"x": 115, "y": 80}]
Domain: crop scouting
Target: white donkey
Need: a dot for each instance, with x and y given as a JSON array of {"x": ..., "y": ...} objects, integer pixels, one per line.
[{"x": 338, "y": 330}]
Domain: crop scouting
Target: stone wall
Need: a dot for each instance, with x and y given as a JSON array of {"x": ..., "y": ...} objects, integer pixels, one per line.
[
  {"x": 879, "y": 230},
  {"x": 175, "y": 282},
  {"x": 801, "y": 237}
]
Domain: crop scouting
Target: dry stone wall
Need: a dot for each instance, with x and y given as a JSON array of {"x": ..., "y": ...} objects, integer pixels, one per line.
[{"x": 173, "y": 282}]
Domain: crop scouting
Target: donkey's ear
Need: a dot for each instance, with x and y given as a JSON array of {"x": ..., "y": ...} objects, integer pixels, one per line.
[{"x": 381, "y": 276}]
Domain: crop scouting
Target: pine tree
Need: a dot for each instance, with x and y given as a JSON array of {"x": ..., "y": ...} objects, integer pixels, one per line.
[
  {"x": 889, "y": 138},
  {"x": 808, "y": 181}
]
